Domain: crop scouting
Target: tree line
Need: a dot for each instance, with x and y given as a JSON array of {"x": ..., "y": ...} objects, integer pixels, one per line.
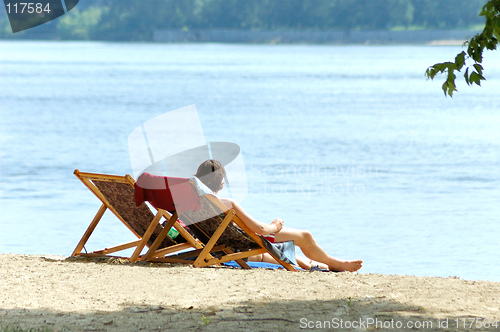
[{"x": 135, "y": 20}]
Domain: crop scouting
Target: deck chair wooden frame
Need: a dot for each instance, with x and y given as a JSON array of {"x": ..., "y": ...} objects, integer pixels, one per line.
[
  {"x": 92, "y": 181},
  {"x": 204, "y": 255}
]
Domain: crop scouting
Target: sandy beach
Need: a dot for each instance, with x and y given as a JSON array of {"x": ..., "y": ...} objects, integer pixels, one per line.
[{"x": 78, "y": 294}]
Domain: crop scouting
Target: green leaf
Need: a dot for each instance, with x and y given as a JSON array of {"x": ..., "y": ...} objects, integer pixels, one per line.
[
  {"x": 466, "y": 76},
  {"x": 474, "y": 50},
  {"x": 445, "y": 87},
  {"x": 433, "y": 72},
  {"x": 478, "y": 68},
  {"x": 460, "y": 60},
  {"x": 475, "y": 78},
  {"x": 450, "y": 65},
  {"x": 430, "y": 72},
  {"x": 448, "y": 88}
]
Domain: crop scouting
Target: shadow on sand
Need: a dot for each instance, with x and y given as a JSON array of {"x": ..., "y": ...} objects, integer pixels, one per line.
[{"x": 361, "y": 314}]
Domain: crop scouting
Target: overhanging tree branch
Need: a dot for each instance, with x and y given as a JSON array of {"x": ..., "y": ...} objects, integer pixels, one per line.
[{"x": 488, "y": 39}]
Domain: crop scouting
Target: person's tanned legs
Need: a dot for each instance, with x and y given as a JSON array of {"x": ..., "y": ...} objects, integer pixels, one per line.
[{"x": 305, "y": 241}]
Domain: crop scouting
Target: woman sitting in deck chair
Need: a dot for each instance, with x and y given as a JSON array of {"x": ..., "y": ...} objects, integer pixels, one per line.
[{"x": 211, "y": 173}]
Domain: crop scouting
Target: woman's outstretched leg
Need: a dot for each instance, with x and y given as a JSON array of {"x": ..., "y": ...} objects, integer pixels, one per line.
[{"x": 305, "y": 241}]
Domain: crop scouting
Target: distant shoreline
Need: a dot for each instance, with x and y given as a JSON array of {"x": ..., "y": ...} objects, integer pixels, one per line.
[
  {"x": 347, "y": 37},
  {"x": 436, "y": 37}
]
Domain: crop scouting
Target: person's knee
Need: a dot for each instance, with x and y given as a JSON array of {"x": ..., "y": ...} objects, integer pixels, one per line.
[{"x": 306, "y": 238}]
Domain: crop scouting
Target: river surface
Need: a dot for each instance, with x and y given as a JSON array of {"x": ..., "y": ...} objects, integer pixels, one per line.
[{"x": 349, "y": 142}]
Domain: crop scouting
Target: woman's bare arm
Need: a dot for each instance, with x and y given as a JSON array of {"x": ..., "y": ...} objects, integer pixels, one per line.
[{"x": 254, "y": 225}]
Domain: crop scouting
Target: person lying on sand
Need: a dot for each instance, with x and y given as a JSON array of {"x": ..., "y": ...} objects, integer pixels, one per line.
[{"x": 211, "y": 173}]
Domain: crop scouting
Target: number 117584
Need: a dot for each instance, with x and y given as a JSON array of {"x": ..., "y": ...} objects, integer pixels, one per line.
[{"x": 28, "y": 8}]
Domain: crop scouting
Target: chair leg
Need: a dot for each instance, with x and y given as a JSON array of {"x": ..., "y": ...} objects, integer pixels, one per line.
[
  {"x": 162, "y": 234},
  {"x": 190, "y": 239},
  {"x": 89, "y": 230},
  {"x": 213, "y": 240},
  {"x": 240, "y": 262},
  {"x": 145, "y": 238}
]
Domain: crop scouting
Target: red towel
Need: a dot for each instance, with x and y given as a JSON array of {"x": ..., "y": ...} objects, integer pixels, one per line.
[{"x": 167, "y": 193}]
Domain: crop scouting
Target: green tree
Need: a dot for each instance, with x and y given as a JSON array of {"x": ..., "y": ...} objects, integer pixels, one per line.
[
  {"x": 401, "y": 12},
  {"x": 225, "y": 14},
  {"x": 446, "y": 14},
  {"x": 361, "y": 14},
  {"x": 125, "y": 20},
  {"x": 79, "y": 24},
  {"x": 472, "y": 58}
]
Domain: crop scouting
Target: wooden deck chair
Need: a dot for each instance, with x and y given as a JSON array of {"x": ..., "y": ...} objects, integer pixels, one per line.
[
  {"x": 212, "y": 224},
  {"x": 117, "y": 194}
]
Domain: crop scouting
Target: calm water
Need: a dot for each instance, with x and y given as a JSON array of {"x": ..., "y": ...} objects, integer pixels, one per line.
[{"x": 350, "y": 142}]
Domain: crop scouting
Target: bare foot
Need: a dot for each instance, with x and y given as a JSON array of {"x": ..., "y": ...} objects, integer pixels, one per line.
[{"x": 350, "y": 266}]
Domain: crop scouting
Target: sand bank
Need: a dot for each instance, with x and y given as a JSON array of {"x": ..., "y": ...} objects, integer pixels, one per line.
[{"x": 107, "y": 295}]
